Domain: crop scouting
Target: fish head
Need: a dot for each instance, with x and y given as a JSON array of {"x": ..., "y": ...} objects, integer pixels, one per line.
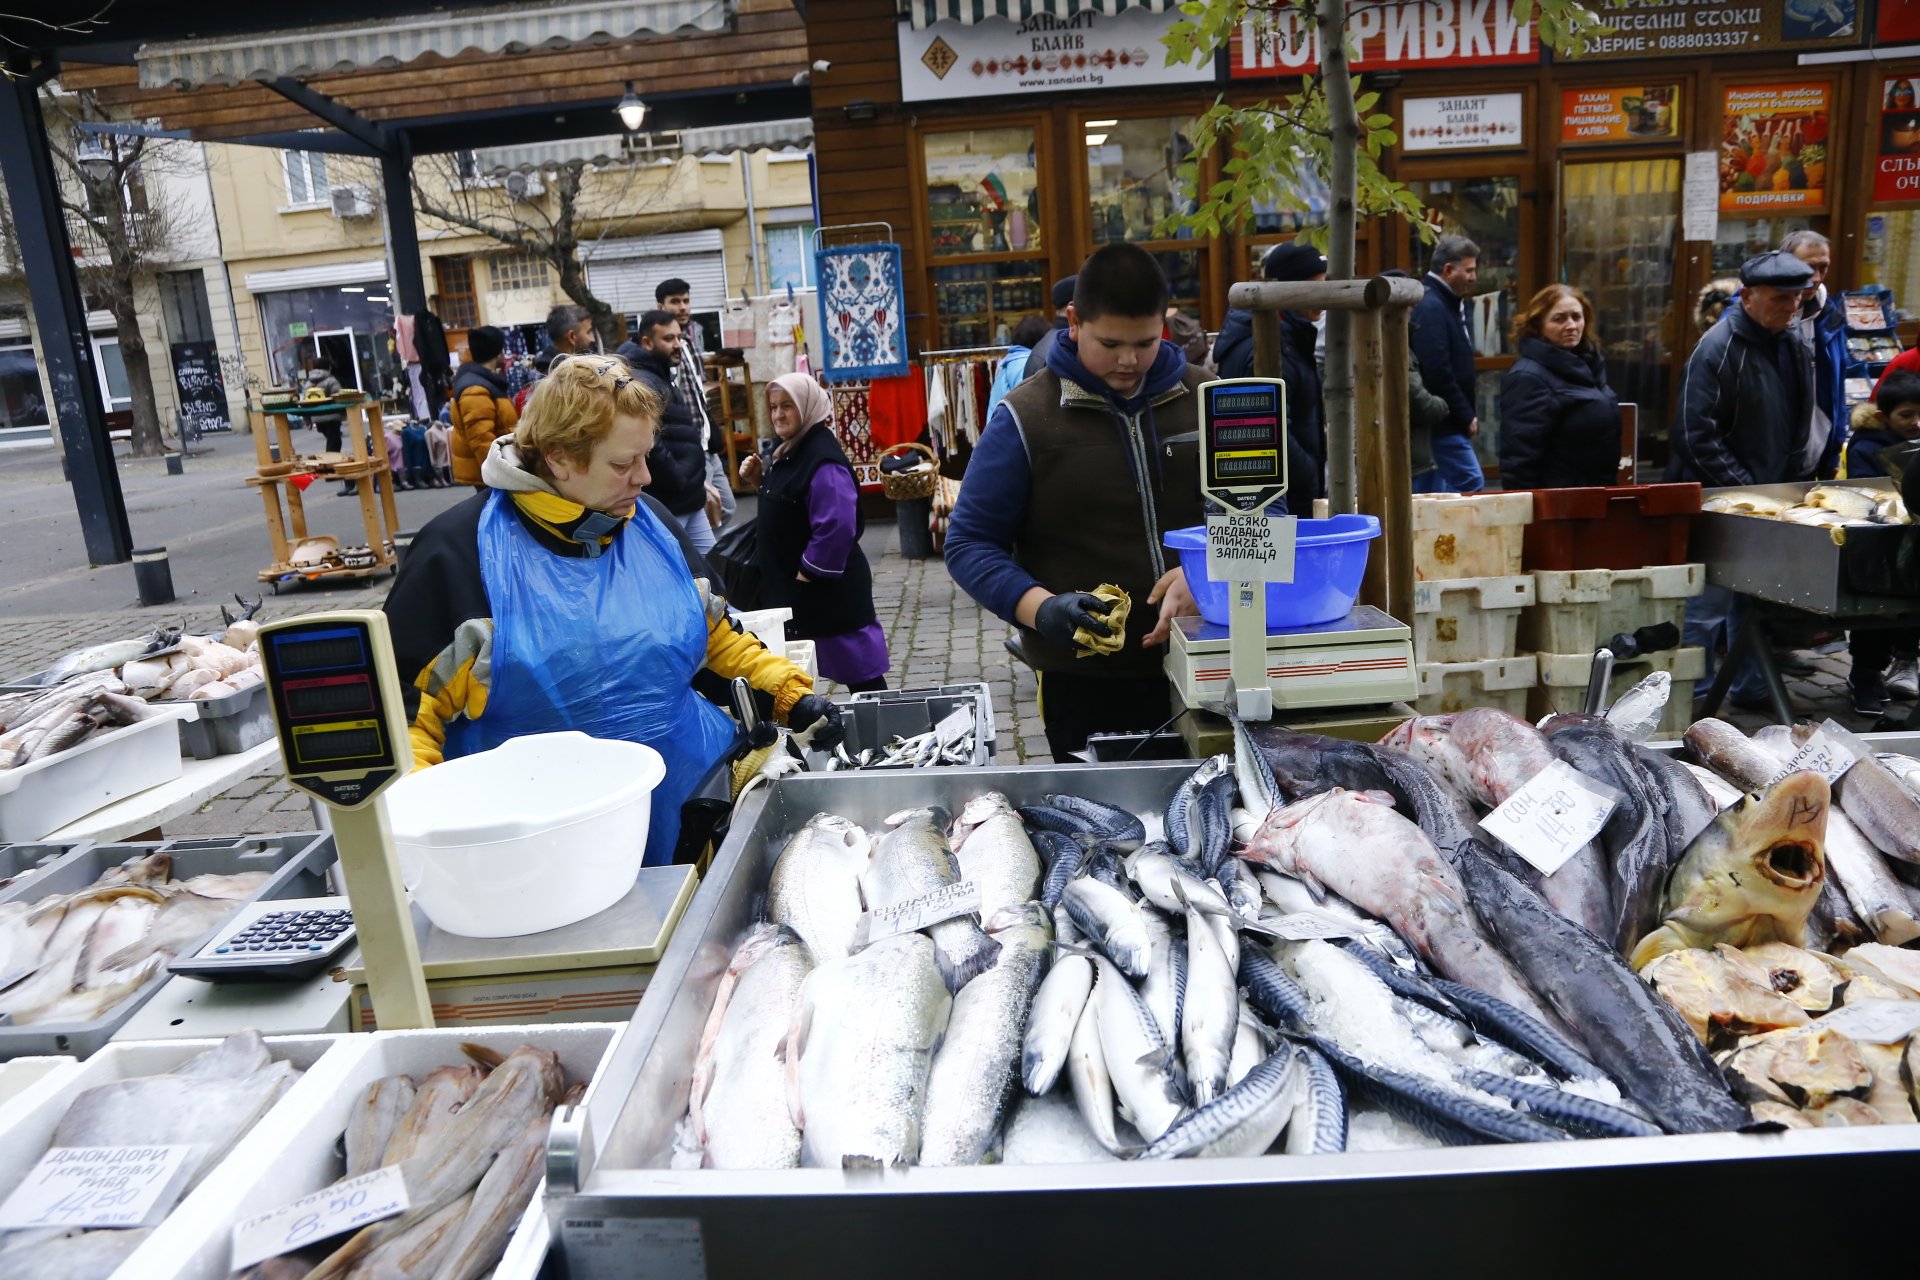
[
  {"x": 1277, "y": 833},
  {"x": 936, "y": 816},
  {"x": 1780, "y": 833},
  {"x": 982, "y": 808}
]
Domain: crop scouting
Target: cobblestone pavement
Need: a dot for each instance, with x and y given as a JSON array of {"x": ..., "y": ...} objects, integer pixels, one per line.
[{"x": 936, "y": 635}]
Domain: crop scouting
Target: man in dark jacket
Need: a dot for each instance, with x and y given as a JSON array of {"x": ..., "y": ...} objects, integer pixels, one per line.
[
  {"x": 1079, "y": 474},
  {"x": 1746, "y": 401},
  {"x": 679, "y": 458},
  {"x": 1062, "y": 297},
  {"x": 1295, "y": 260},
  {"x": 1822, "y": 325},
  {"x": 1437, "y": 331}
]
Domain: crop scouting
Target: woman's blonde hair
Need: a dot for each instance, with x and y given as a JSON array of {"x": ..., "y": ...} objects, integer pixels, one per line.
[
  {"x": 1534, "y": 315},
  {"x": 573, "y": 408}
]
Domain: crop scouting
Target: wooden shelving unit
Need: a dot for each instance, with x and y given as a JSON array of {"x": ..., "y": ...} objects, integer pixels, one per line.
[
  {"x": 735, "y": 383},
  {"x": 286, "y": 511}
]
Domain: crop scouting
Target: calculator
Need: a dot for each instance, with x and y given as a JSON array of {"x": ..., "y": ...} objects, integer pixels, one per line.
[{"x": 274, "y": 941}]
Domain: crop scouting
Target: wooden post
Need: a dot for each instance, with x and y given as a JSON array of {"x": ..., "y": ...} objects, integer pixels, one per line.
[
  {"x": 1266, "y": 344},
  {"x": 1369, "y": 451},
  {"x": 1396, "y": 516}
]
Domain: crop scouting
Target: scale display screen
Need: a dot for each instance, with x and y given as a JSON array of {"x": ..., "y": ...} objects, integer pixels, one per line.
[
  {"x": 333, "y": 696},
  {"x": 1244, "y": 441},
  {"x": 332, "y": 715},
  {"x": 331, "y": 650},
  {"x": 1261, "y": 401},
  {"x": 1264, "y": 465},
  {"x": 337, "y": 743}
]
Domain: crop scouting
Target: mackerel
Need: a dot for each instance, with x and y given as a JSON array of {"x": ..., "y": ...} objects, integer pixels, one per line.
[
  {"x": 1243, "y": 1121},
  {"x": 1113, "y": 924},
  {"x": 1210, "y": 1013},
  {"x": 1050, "y": 1025},
  {"x": 1318, "y": 1125},
  {"x": 1145, "y": 1071}
]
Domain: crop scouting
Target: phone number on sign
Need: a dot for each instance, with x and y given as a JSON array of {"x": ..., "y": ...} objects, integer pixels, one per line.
[{"x": 1709, "y": 40}]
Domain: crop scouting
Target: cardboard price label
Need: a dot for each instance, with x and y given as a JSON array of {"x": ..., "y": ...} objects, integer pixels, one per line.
[
  {"x": 1555, "y": 815},
  {"x": 930, "y": 908},
  {"x": 1826, "y": 753},
  {"x": 1875, "y": 1021},
  {"x": 1250, "y": 546},
  {"x": 97, "y": 1187},
  {"x": 343, "y": 1207}
]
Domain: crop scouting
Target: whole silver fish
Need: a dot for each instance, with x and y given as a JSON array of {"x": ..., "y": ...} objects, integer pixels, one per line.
[
  {"x": 742, "y": 1113},
  {"x": 914, "y": 859},
  {"x": 815, "y": 887},
  {"x": 860, "y": 1051},
  {"x": 1166, "y": 974},
  {"x": 1210, "y": 1011},
  {"x": 497, "y": 1205},
  {"x": 1243, "y": 1121},
  {"x": 114, "y": 653},
  {"x": 1051, "y": 1022},
  {"x": 1111, "y": 922},
  {"x": 994, "y": 852},
  {"x": 1319, "y": 1122},
  {"x": 976, "y": 1072},
  {"x": 1146, "y": 1073},
  {"x": 375, "y": 1117},
  {"x": 1156, "y": 872},
  {"x": 1092, "y": 1085}
]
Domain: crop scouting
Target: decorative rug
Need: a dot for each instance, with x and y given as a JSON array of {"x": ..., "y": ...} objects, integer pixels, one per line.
[{"x": 862, "y": 312}]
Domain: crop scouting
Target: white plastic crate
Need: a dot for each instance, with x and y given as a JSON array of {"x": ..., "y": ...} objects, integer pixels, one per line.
[
  {"x": 770, "y": 625},
  {"x": 1501, "y": 683},
  {"x": 1468, "y": 619},
  {"x": 30, "y": 1126},
  {"x": 22, "y": 1079},
  {"x": 298, "y": 1152},
  {"x": 1477, "y": 535},
  {"x": 39, "y": 798},
  {"x": 1563, "y": 683},
  {"x": 1581, "y": 609},
  {"x": 801, "y": 654}
]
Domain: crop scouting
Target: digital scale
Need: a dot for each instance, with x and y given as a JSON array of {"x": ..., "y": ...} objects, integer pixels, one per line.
[{"x": 1362, "y": 659}]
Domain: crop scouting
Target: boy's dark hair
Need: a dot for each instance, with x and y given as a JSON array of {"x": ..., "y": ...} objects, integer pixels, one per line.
[
  {"x": 671, "y": 289},
  {"x": 656, "y": 320},
  {"x": 562, "y": 320},
  {"x": 323, "y": 364},
  {"x": 1120, "y": 280},
  {"x": 1900, "y": 387},
  {"x": 1030, "y": 331}
]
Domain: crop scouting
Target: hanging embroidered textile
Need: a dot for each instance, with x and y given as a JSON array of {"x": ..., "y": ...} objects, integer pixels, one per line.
[{"x": 862, "y": 312}]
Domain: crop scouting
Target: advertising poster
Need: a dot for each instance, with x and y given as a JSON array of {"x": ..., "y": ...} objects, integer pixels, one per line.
[
  {"x": 952, "y": 61},
  {"x": 1773, "y": 147},
  {"x": 1462, "y": 122},
  {"x": 1898, "y": 22},
  {"x": 1691, "y": 28},
  {"x": 1896, "y": 174},
  {"x": 1638, "y": 113}
]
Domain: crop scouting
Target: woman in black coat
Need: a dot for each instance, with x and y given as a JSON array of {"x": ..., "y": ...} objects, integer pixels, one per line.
[{"x": 1559, "y": 420}]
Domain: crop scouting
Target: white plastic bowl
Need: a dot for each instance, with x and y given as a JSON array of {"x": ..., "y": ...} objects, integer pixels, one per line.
[{"x": 540, "y": 832}]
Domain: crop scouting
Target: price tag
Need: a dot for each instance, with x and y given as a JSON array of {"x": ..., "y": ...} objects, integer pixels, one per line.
[
  {"x": 1825, "y": 753},
  {"x": 1875, "y": 1021},
  {"x": 1555, "y": 815},
  {"x": 930, "y": 908},
  {"x": 345, "y": 1206},
  {"x": 616, "y": 1248},
  {"x": 97, "y": 1187},
  {"x": 1307, "y": 926},
  {"x": 957, "y": 725},
  {"x": 1250, "y": 546}
]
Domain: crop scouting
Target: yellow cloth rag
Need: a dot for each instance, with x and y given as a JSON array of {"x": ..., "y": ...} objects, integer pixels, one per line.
[{"x": 1088, "y": 643}]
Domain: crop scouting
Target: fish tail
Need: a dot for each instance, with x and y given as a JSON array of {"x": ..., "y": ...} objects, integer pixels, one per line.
[
  {"x": 487, "y": 1058},
  {"x": 958, "y": 970}
]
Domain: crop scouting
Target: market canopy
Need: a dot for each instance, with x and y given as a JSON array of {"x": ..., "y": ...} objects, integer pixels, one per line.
[
  {"x": 765, "y": 135},
  {"x": 925, "y": 13}
]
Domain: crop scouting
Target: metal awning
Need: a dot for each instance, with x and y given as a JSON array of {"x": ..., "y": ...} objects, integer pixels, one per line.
[
  {"x": 765, "y": 135},
  {"x": 925, "y": 13},
  {"x": 395, "y": 42},
  {"x": 607, "y": 149}
]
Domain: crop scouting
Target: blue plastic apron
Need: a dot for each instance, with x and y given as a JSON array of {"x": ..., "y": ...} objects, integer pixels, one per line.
[{"x": 607, "y": 645}]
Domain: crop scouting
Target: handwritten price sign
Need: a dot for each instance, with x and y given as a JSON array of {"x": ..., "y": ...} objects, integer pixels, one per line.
[
  {"x": 95, "y": 1187},
  {"x": 345, "y": 1206},
  {"x": 1553, "y": 816}
]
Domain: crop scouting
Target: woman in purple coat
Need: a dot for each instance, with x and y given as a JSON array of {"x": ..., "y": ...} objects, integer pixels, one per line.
[{"x": 808, "y": 548}]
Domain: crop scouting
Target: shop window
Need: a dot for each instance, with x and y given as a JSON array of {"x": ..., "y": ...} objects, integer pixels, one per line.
[
  {"x": 453, "y": 281},
  {"x": 1133, "y": 180},
  {"x": 133, "y": 195},
  {"x": 23, "y": 402},
  {"x": 1741, "y": 238},
  {"x": 983, "y": 192},
  {"x": 790, "y": 256},
  {"x": 306, "y": 177},
  {"x": 1892, "y": 255},
  {"x": 115, "y": 393},
  {"x": 517, "y": 272},
  {"x": 1487, "y": 212},
  {"x": 351, "y": 329},
  {"x": 183, "y": 305},
  {"x": 981, "y": 305}
]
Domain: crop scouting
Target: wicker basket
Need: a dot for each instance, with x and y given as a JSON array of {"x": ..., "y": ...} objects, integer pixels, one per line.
[{"x": 900, "y": 486}]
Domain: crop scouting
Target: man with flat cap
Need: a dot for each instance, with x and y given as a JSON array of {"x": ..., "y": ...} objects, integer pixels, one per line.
[
  {"x": 1062, "y": 295},
  {"x": 1746, "y": 404}
]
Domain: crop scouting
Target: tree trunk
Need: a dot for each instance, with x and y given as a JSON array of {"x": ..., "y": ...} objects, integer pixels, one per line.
[
  {"x": 133, "y": 354},
  {"x": 573, "y": 283},
  {"x": 1345, "y": 123}
]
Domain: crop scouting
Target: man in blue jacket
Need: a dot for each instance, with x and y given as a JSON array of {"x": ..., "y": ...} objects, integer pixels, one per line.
[
  {"x": 1306, "y": 416},
  {"x": 1081, "y": 471},
  {"x": 1437, "y": 331},
  {"x": 1822, "y": 325}
]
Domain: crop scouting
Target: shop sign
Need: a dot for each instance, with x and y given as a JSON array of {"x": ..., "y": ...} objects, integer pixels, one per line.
[
  {"x": 953, "y": 61},
  {"x": 1398, "y": 34},
  {"x": 1896, "y": 175},
  {"x": 1773, "y": 147},
  {"x": 297, "y": 329},
  {"x": 1676, "y": 28},
  {"x": 1461, "y": 122},
  {"x": 1640, "y": 113}
]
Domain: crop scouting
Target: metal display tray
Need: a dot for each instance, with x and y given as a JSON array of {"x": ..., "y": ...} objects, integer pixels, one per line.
[
  {"x": 1617, "y": 1201},
  {"x": 299, "y": 866},
  {"x": 1793, "y": 564}
]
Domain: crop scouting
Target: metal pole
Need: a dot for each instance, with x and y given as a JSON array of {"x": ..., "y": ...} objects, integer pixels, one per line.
[
  {"x": 403, "y": 236},
  {"x": 59, "y": 312},
  {"x": 754, "y": 263}
]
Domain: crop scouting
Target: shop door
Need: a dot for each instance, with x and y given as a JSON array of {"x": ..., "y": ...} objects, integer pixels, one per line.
[
  {"x": 342, "y": 348},
  {"x": 115, "y": 395},
  {"x": 1619, "y": 235}
]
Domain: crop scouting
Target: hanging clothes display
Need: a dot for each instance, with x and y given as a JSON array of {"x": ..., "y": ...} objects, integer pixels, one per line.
[
  {"x": 898, "y": 411},
  {"x": 958, "y": 383}
]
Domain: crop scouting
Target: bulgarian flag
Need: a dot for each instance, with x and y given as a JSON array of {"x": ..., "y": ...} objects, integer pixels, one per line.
[{"x": 993, "y": 193}]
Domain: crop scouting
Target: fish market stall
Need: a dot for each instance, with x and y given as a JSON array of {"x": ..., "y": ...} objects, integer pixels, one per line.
[
  {"x": 1805, "y": 554},
  {"x": 1336, "y": 1046}
]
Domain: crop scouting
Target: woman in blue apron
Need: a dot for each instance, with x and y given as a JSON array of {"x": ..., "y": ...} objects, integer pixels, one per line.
[{"x": 564, "y": 598}]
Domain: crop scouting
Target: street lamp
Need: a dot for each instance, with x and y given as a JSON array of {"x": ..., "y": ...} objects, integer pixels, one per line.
[{"x": 632, "y": 111}]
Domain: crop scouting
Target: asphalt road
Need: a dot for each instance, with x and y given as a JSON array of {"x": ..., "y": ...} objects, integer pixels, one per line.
[{"x": 209, "y": 520}]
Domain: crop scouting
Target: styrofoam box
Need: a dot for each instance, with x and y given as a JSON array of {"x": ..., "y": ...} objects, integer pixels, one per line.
[
  {"x": 296, "y": 1153},
  {"x": 1478, "y": 535},
  {"x": 39, "y": 798},
  {"x": 1563, "y": 683},
  {"x": 29, "y": 1127},
  {"x": 526, "y": 1253},
  {"x": 768, "y": 624},
  {"x": 802, "y": 655},
  {"x": 23, "y": 1078},
  {"x": 1501, "y": 683},
  {"x": 1468, "y": 619},
  {"x": 1576, "y": 609}
]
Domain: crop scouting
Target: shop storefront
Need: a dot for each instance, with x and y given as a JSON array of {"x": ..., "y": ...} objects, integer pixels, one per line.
[
  {"x": 342, "y": 311},
  {"x": 24, "y": 416},
  {"x": 1034, "y": 140}
]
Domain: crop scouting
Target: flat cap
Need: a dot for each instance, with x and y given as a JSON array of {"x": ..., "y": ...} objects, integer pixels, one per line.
[
  {"x": 1063, "y": 292},
  {"x": 1778, "y": 268}
]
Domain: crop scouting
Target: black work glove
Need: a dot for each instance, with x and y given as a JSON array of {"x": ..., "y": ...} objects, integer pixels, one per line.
[
  {"x": 814, "y": 709},
  {"x": 1061, "y": 615}
]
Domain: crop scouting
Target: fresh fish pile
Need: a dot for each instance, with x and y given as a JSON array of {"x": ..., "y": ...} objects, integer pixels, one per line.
[
  {"x": 207, "y": 1103},
  {"x": 472, "y": 1142},
  {"x": 73, "y": 957},
  {"x": 1826, "y": 506},
  {"x": 952, "y": 741}
]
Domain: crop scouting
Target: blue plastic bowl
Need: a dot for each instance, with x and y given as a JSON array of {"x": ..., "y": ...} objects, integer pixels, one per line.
[{"x": 1330, "y": 558}]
